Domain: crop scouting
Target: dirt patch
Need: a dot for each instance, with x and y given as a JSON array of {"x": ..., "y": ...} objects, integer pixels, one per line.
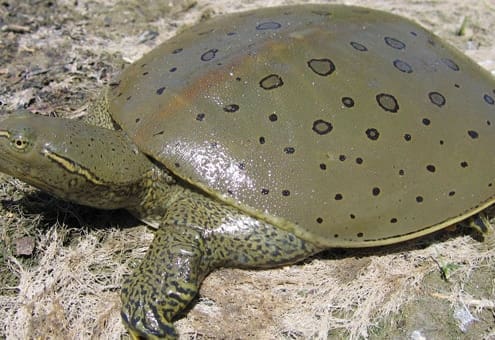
[{"x": 56, "y": 55}]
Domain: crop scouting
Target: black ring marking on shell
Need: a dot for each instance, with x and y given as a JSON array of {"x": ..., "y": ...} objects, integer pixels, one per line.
[
  {"x": 342, "y": 158},
  {"x": 271, "y": 82},
  {"x": 450, "y": 64},
  {"x": 473, "y": 134},
  {"x": 419, "y": 199},
  {"x": 231, "y": 108},
  {"x": 348, "y": 102},
  {"x": 322, "y": 127},
  {"x": 359, "y": 160},
  {"x": 387, "y": 102},
  {"x": 489, "y": 99},
  {"x": 273, "y": 117},
  {"x": 375, "y": 191},
  {"x": 407, "y": 137},
  {"x": 209, "y": 55},
  {"x": 430, "y": 168},
  {"x": 372, "y": 134},
  {"x": 160, "y": 90},
  {"x": 358, "y": 46},
  {"x": 289, "y": 150},
  {"x": 437, "y": 98},
  {"x": 322, "y": 67},
  {"x": 402, "y": 66},
  {"x": 200, "y": 117},
  {"x": 319, "y": 220},
  {"x": 394, "y": 43},
  {"x": 268, "y": 25}
]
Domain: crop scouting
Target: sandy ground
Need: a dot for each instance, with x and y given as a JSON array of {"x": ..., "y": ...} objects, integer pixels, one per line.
[{"x": 61, "y": 265}]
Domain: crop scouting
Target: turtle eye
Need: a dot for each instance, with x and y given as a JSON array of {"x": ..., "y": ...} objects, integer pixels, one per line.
[{"x": 20, "y": 142}]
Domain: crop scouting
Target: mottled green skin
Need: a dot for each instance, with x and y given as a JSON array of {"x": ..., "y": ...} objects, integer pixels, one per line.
[{"x": 384, "y": 134}]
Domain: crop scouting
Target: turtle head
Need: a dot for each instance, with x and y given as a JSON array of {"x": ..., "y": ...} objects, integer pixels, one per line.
[{"x": 72, "y": 160}]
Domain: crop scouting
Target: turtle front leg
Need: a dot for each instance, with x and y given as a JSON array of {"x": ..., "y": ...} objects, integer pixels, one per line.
[{"x": 164, "y": 284}]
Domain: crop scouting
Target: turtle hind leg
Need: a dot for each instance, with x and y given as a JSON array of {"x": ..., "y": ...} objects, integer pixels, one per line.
[{"x": 480, "y": 224}]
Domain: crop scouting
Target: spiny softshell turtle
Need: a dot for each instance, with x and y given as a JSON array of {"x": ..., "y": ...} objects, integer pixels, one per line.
[{"x": 260, "y": 138}]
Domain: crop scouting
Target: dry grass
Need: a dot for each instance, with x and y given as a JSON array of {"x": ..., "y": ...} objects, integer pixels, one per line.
[{"x": 69, "y": 286}]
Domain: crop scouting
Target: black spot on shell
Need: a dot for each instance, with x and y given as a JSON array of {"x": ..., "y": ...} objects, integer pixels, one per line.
[
  {"x": 342, "y": 158},
  {"x": 338, "y": 197},
  {"x": 430, "y": 168},
  {"x": 450, "y": 64},
  {"x": 177, "y": 50},
  {"x": 473, "y": 134},
  {"x": 128, "y": 98},
  {"x": 464, "y": 164},
  {"x": 402, "y": 66},
  {"x": 395, "y": 43},
  {"x": 414, "y": 34},
  {"x": 489, "y": 99},
  {"x": 359, "y": 160},
  {"x": 437, "y": 98},
  {"x": 137, "y": 120},
  {"x": 419, "y": 199},
  {"x": 348, "y": 102},
  {"x": 285, "y": 193},
  {"x": 407, "y": 137},
  {"x": 426, "y": 121},
  {"x": 231, "y": 108},
  {"x": 322, "y": 127},
  {"x": 269, "y": 25},
  {"x": 375, "y": 191},
  {"x": 160, "y": 90},
  {"x": 358, "y": 46},
  {"x": 231, "y": 33},
  {"x": 372, "y": 133},
  {"x": 401, "y": 172},
  {"x": 262, "y": 140},
  {"x": 159, "y": 133},
  {"x": 242, "y": 166},
  {"x": 209, "y": 55},
  {"x": 387, "y": 102},
  {"x": 264, "y": 191},
  {"x": 323, "y": 166},
  {"x": 273, "y": 117},
  {"x": 352, "y": 216},
  {"x": 393, "y": 220},
  {"x": 145, "y": 73},
  {"x": 359, "y": 235},
  {"x": 289, "y": 150},
  {"x": 271, "y": 82},
  {"x": 322, "y": 67},
  {"x": 319, "y": 220},
  {"x": 451, "y": 193},
  {"x": 200, "y": 117},
  {"x": 177, "y": 165},
  {"x": 173, "y": 69}
]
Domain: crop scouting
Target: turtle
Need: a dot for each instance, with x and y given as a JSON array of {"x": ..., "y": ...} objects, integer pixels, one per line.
[{"x": 257, "y": 139}]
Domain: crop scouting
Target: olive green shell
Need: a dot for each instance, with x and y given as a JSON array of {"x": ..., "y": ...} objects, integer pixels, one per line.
[{"x": 347, "y": 126}]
